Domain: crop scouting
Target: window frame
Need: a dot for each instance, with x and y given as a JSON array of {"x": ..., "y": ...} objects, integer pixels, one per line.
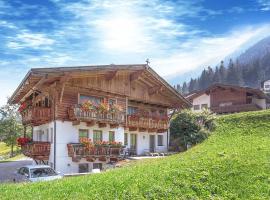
[
  {"x": 112, "y": 133},
  {"x": 126, "y": 139},
  {"x": 94, "y": 137},
  {"x": 80, "y": 164},
  {"x": 196, "y": 107},
  {"x": 83, "y": 130},
  {"x": 160, "y": 143},
  {"x": 204, "y": 106}
]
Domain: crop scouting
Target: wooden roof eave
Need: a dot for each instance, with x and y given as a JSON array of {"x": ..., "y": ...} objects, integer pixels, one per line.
[{"x": 169, "y": 87}]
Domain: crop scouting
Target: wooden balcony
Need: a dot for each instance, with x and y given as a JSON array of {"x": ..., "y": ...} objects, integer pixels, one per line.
[
  {"x": 77, "y": 113},
  {"x": 36, "y": 115},
  {"x": 37, "y": 150},
  {"x": 148, "y": 123},
  {"x": 98, "y": 153},
  {"x": 235, "y": 108}
]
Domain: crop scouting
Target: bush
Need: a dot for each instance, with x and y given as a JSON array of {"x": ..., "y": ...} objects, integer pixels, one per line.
[{"x": 188, "y": 127}]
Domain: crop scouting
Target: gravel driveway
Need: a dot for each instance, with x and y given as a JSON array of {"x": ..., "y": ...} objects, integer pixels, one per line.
[{"x": 7, "y": 169}]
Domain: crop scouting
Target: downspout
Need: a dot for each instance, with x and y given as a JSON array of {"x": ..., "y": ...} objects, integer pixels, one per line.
[{"x": 54, "y": 135}]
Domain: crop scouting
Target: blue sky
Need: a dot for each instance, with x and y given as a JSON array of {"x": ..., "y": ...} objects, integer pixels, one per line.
[{"x": 179, "y": 37}]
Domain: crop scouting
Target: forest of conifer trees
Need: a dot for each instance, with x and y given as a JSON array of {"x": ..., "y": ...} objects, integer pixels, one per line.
[{"x": 249, "y": 74}]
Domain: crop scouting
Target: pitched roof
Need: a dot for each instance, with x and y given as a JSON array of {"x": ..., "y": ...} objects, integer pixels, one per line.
[
  {"x": 257, "y": 92},
  {"x": 35, "y": 74}
]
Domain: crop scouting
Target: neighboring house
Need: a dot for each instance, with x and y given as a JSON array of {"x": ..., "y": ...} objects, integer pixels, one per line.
[
  {"x": 53, "y": 103},
  {"x": 221, "y": 98},
  {"x": 265, "y": 86}
]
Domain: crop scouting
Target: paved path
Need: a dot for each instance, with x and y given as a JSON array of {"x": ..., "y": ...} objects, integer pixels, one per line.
[{"x": 7, "y": 169}]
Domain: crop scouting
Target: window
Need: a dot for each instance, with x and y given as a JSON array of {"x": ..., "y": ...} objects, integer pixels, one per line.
[
  {"x": 112, "y": 101},
  {"x": 205, "y": 106},
  {"x": 47, "y": 135},
  {"x": 196, "y": 107},
  {"x": 83, "y": 168},
  {"x": 160, "y": 140},
  {"x": 96, "y": 100},
  {"x": 97, "y": 166},
  {"x": 111, "y": 136},
  {"x": 267, "y": 86},
  {"x": 83, "y": 133},
  {"x": 132, "y": 110},
  {"x": 126, "y": 139},
  {"x": 162, "y": 112},
  {"x": 51, "y": 135},
  {"x": 42, "y": 172},
  {"x": 97, "y": 136}
]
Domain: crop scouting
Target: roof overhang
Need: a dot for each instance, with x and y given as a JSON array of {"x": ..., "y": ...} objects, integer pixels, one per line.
[{"x": 35, "y": 75}]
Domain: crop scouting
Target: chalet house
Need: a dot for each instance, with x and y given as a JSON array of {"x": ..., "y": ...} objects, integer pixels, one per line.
[
  {"x": 107, "y": 104},
  {"x": 221, "y": 98},
  {"x": 265, "y": 86}
]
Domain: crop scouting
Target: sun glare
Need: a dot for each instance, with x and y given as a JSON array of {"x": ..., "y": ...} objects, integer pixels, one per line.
[{"x": 123, "y": 32}]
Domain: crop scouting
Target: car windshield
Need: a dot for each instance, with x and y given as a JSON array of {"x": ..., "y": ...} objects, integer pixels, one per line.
[{"x": 42, "y": 172}]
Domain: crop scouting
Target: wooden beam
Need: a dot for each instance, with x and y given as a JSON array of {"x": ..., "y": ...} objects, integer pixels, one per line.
[
  {"x": 74, "y": 123},
  {"x": 135, "y": 75},
  {"x": 154, "y": 90},
  {"x": 63, "y": 80},
  {"x": 110, "y": 75}
]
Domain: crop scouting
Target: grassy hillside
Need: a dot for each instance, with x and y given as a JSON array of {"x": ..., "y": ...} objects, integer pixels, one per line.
[{"x": 234, "y": 163}]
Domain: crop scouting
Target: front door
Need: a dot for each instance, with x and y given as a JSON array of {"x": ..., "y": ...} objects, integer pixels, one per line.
[
  {"x": 152, "y": 143},
  {"x": 133, "y": 143}
]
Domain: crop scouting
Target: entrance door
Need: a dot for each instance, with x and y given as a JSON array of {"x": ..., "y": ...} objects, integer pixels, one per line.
[
  {"x": 133, "y": 143},
  {"x": 152, "y": 143}
]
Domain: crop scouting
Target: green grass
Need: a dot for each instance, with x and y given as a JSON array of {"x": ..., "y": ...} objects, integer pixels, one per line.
[
  {"x": 5, "y": 153},
  {"x": 234, "y": 163},
  {"x": 4, "y": 149}
]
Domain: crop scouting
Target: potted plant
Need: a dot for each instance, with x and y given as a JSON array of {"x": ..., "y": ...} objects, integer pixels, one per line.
[{"x": 23, "y": 141}]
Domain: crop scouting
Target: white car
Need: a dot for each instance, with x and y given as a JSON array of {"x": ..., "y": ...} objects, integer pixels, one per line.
[{"x": 35, "y": 173}]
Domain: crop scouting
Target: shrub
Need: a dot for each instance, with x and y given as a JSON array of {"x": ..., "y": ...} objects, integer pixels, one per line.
[{"x": 188, "y": 127}]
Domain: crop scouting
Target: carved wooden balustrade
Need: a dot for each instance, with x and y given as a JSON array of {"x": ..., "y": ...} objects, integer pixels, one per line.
[
  {"x": 77, "y": 113},
  {"x": 77, "y": 151},
  {"x": 36, "y": 115},
  {"x": 235, "y": 108},
  {"x": 37, "y": 150},
  {"x": 149, "y": 123}
]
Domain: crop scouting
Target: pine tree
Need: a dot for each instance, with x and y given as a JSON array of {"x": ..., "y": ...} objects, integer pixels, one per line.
[{"x": 185, "y": 88}]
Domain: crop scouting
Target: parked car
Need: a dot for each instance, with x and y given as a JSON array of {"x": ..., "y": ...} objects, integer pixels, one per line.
[{"x": 35, "y": 173}]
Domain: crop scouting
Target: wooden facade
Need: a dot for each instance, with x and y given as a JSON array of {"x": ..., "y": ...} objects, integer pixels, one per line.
[
  {"x": 144, "y": 98},
  {"x": 230, "y": 98}
]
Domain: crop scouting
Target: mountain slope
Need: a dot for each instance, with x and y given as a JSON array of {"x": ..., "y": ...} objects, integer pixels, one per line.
[
  {"x": 232, "y": 164},
  {"x": 257, "y": 51}
]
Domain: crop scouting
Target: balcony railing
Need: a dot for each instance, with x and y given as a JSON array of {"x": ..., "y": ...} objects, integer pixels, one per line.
[
  {"x": 235, "y": 108},
  {"x": 36, "y": 115},
  {"x": 37, "y": 150},
  {"x": 97, "y": 153},
  {"x": 77, "y": 113},
  {"x": 147, "y": 123}
]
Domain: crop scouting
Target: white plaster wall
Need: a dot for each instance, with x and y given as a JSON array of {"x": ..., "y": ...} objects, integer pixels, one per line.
[
  {"x": 45, "y": 128},
  {"x": 266, "y": 83},
  {"x": 203, "y": 99},
  {"x": 259, "y": 102},
  {"x": 67, "y": 133},
  {"x": 143, "y": 141}
]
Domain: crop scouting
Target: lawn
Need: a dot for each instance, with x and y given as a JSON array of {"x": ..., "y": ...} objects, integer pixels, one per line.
[
  {"x": 5, "y": 153},
  {"x": 234, "y": 163}
]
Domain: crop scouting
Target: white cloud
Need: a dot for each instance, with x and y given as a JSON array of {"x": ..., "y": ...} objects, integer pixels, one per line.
[
  {"x": 201, "y": 52},
  {"x": 265, "y": 5},
  {"x": 26, "y": 39}
]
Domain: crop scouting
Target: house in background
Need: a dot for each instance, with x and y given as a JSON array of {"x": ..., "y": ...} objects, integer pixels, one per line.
[
  {"x": 221, "y": 98},
  {"x": 265, "y": 86},
  {"x": 65, "y": 104}
]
